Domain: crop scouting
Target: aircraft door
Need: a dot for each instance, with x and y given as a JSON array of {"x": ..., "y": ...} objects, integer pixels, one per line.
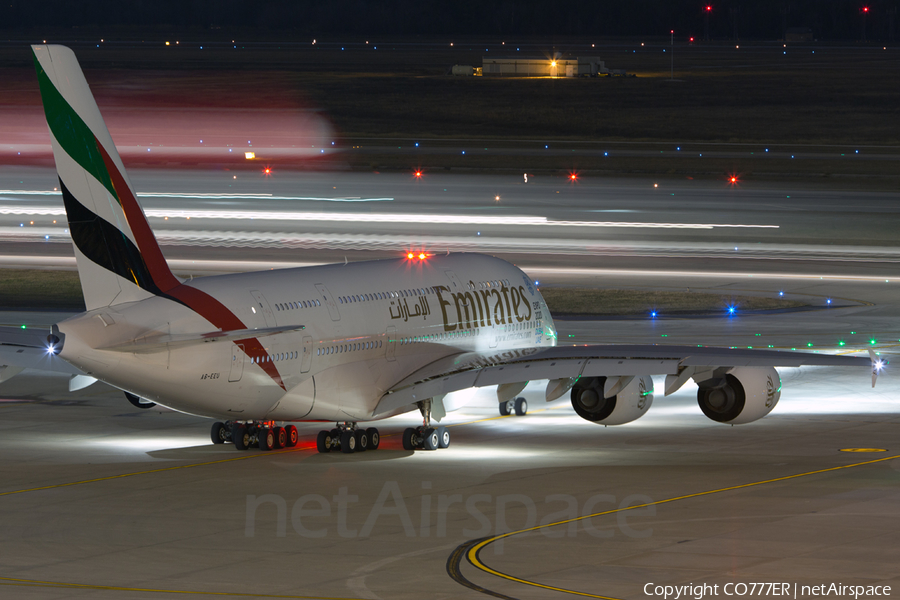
[
  {"x": 306, "y": 359},
  {"x": 391, "y": 343},
  {"x": 262, "y": 305},
  {"x": 329, "y": 302},
  {"x": 456, "y": 284},
  {"x": 237, "y": 363}
]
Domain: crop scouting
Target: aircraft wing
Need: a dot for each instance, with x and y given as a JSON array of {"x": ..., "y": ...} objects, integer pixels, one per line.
[
  {"x": 561, "y": 363},
  {"x": 22, "y": 349}
]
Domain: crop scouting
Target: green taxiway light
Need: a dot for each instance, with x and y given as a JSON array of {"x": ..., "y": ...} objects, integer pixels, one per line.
[
  {"x": 23, "y": 327},
  {"x": 771, "y": 346},
  {"x": 664, "y": 335},
  {"x": 841, "y": 343},
  {"x": 809, "y": 344},
  {"x": 852, "y": 333},
  {"x": 873, "y": 341}
]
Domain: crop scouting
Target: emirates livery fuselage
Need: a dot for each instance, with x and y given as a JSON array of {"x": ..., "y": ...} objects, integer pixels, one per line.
[{"x": 357, "y": 330}]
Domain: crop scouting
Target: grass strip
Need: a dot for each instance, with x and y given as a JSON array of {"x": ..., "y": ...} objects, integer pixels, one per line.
[
  {"x": 24, "y": 289},
  {"x": 29, "y": 289},
  {"x": 588, "y": 301}
]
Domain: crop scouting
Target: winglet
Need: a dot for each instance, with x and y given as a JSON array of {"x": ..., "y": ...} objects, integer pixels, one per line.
[{"x": 877, "y": 365}]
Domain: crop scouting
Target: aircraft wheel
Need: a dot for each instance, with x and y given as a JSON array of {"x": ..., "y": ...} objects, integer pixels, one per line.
[
  {"x": 443, "y": 437},
  {"x": 280, "y": 437},
  {"x": 292, "y": 436},
  {"x": 323, "y": 442},
  {"x": 348, "y": 442},
  {"x": 521, "y": 406},
  {"x": 266, "y": 439},
  {"x": 432, "y": 440},
  {"x": 218, "y": 433},
  {"x": 374, "y": 438},
  {"x": 409, "y": 439},
  {"x": 362, "y": 440},
  {"x": 241, "y": 437},
  {"x": 506, "y": 408}
]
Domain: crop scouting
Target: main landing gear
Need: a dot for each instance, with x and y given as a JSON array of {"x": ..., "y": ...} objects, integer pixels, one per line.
[
  {"x": 518, "y": 406},
  {"x": 426, "y": 437},
  {"x": 264, "y": 434},
  {"x": 347, "y": 438}
]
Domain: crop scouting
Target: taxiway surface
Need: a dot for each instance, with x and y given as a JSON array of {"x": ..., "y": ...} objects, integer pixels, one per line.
[{"x": 103, "y": 500}]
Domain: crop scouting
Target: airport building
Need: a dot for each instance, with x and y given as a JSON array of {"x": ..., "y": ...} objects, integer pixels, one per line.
[{"x": 590, "y": 66}]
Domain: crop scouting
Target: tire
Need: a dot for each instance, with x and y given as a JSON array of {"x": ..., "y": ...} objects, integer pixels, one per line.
[
  {"x": 266, "y": 439},
  {"x": 432, "y": 439},
  {"x": 280, "y": 438},
  {"x": 362, "y": 440},
  {"x": 504, "y": 408},
  {"x": 292, "y": 436},
  {"x": 348, "y": 442},
  {"x": 521, "y": 407},
  {"x": 374, "y": 438},
  {"x": 323, "y": 442},
  {"x": 443, "y": 437},
  {"x": 409, "y": 439},
  {"x": 218, "y": 433},
  {"x": 240, "y": 435}
]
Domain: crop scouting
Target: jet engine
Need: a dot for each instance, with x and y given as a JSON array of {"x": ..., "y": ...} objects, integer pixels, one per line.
[
  {"x": 742, "y": 395},
  {"x": 612, "y": 400}
]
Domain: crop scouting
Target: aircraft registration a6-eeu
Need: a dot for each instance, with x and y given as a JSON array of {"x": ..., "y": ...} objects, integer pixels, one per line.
[{"x": 345, "y": 343}]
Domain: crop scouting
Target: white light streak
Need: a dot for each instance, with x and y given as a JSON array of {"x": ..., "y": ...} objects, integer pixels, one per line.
[
  {"x": 393, "y": 218},
  {"x": 209, "y": 196}
]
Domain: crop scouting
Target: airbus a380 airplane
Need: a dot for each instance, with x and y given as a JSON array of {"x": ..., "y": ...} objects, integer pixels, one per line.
[{"x": 340, "y": 343}]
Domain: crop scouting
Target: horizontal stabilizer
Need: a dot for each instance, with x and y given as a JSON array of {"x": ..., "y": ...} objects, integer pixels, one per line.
[
  {"x": 149, "y": 344},
  {"x": 22, "y": 349}
]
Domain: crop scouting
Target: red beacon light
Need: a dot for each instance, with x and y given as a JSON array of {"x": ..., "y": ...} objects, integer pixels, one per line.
[
  {"x": 573, "y": 176},
  {"x": 418, "y": 174}
]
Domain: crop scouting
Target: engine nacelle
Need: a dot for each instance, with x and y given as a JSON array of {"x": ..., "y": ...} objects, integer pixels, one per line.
[
  {"x": 625, "y": 406},
  {"x": 743, "y": 395}
]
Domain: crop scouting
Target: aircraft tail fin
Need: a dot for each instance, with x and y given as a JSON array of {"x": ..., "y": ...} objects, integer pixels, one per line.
[{"x": 116, "y": 252}]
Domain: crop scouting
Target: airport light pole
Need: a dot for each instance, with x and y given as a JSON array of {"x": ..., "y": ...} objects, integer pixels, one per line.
[{"x": 672, "y": 34}]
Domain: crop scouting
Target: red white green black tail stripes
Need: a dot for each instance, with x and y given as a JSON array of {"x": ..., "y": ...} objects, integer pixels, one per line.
[
  {"x": 118, "y": 257},
  {"x": 116, "y": 252}
]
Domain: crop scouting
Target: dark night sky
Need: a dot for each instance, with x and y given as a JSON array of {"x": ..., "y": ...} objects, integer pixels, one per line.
[{"x": 760, "y": 19}]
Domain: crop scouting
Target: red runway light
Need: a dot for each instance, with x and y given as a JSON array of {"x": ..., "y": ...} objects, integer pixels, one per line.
[
  {"x": 418, "y": 174},
  {"x": 422, "y": 256},
  {"x": 410, "y": 256}
]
